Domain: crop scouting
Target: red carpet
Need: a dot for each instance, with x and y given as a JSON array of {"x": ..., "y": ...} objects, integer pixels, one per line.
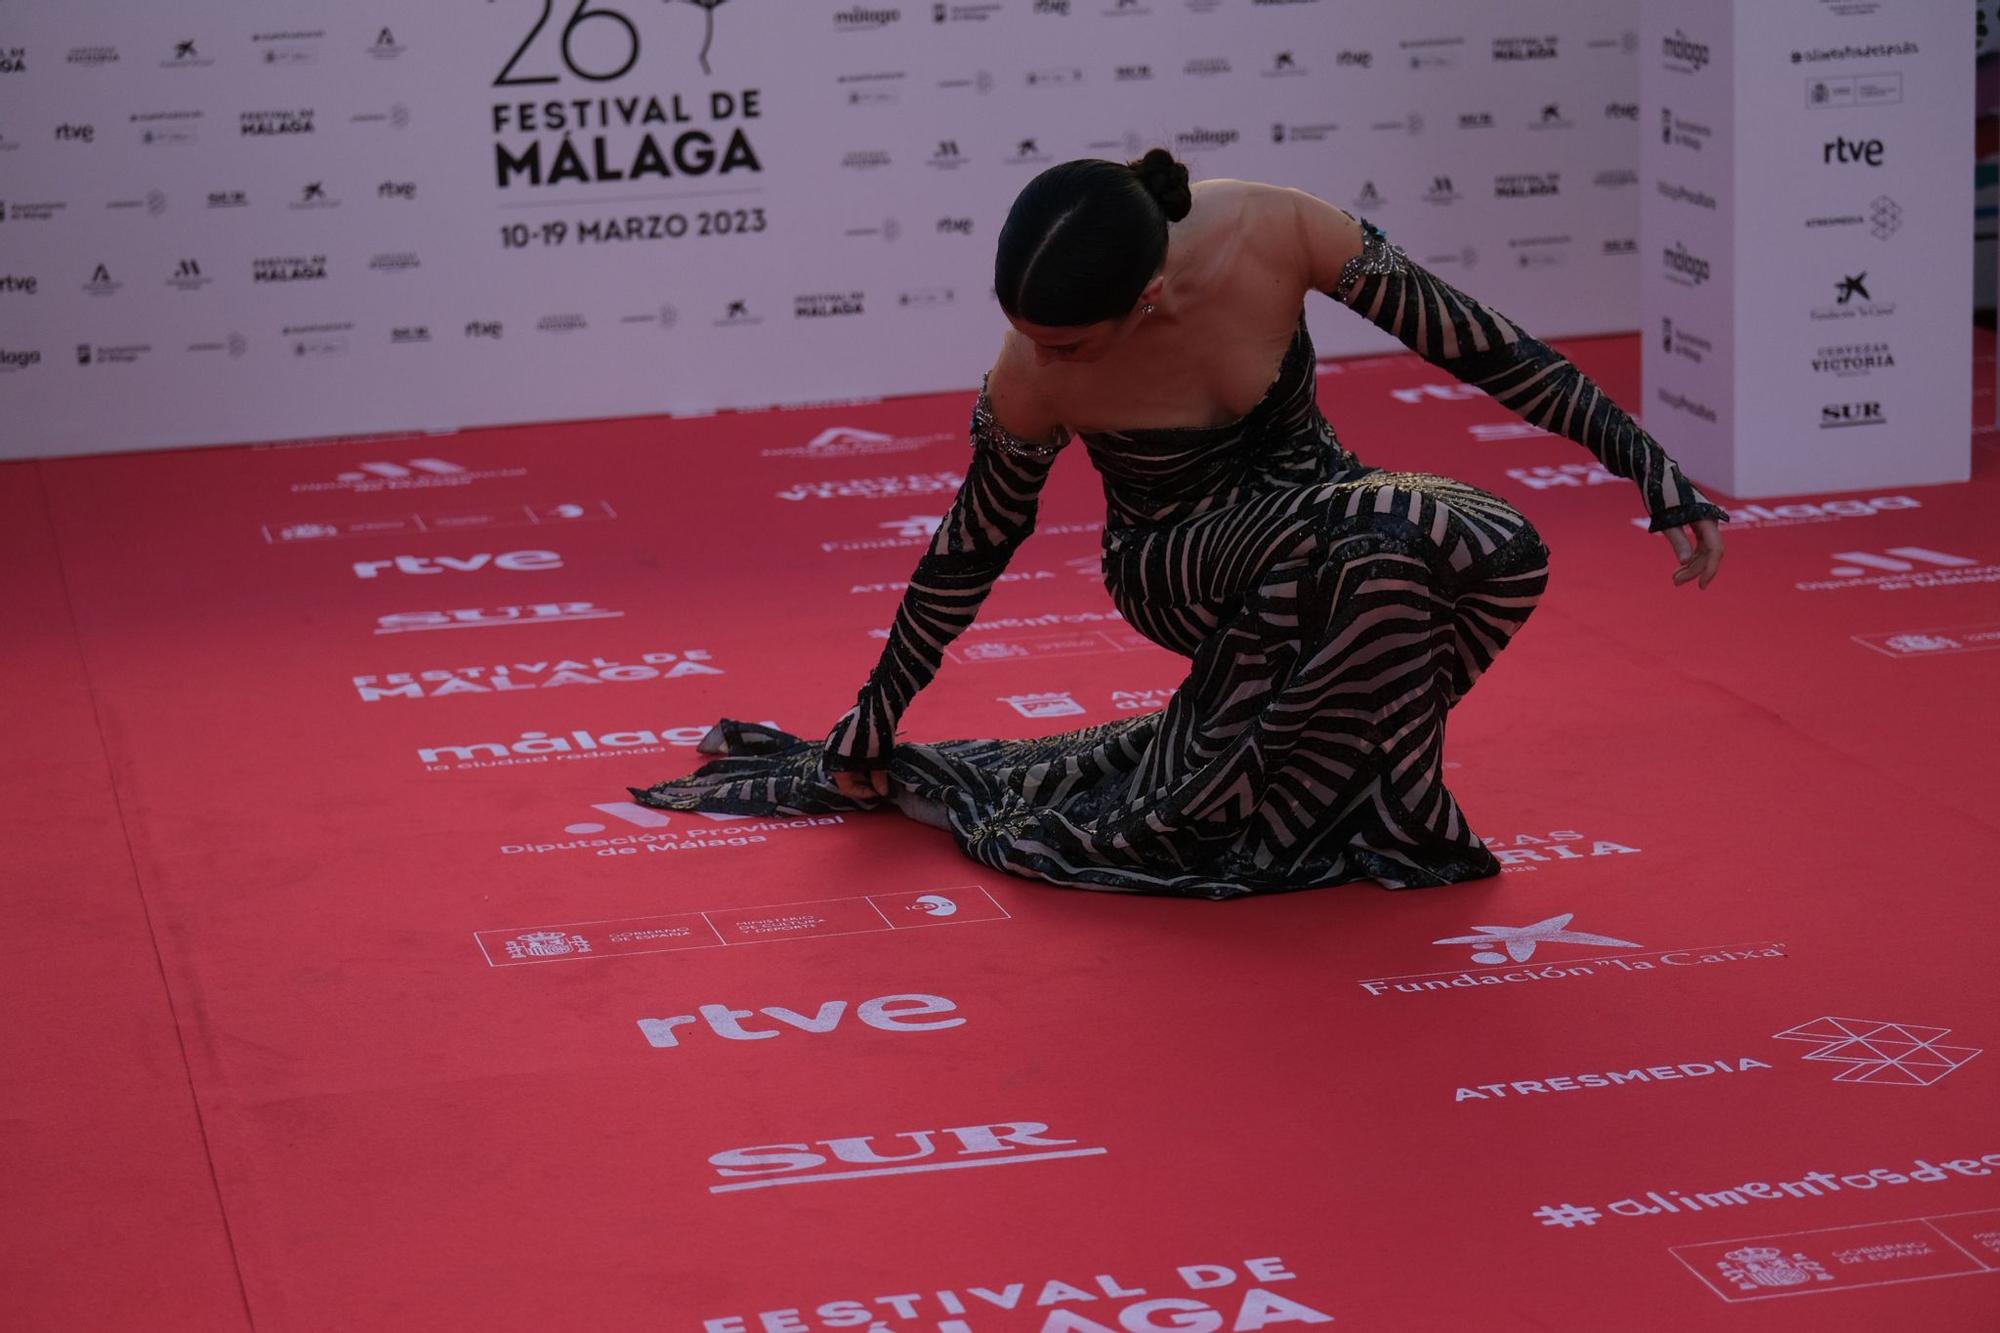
[{"x": 346, "y": 994}]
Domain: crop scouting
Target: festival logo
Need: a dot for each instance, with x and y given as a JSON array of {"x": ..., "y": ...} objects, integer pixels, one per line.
[
  {"x": 548, "y": 674},
  {"x": 630, "y": 134},
  {"x": 291, "y": 122},
  {"x": 288, "y": 268},
  {"x": 1216, "y": 1296}
]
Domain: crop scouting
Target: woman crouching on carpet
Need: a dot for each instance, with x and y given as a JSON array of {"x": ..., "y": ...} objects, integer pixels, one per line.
[{"x": 1332, "y": 612}]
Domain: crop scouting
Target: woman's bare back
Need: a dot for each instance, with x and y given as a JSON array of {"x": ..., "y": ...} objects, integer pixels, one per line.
[{"x": 1235, "y": 281}]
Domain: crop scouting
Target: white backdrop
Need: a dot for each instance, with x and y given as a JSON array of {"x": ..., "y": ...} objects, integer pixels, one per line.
[
  {"x": 225, "y": 221},
  {"x": 1808, "y": 220}
]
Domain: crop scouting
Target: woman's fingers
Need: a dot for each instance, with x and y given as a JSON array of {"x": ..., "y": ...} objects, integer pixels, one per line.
[
  {"x": 1710, "y": 534},
  {"x": 861, "y": 786},
  {"x": 1699, "y": 559}
]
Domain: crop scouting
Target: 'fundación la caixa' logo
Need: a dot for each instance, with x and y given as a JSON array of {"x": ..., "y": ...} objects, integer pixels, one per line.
[{"x": 1507, "y": 954}]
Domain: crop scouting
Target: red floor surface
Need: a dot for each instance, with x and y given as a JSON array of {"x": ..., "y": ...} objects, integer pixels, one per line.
[{"x": 344, "y": 993}]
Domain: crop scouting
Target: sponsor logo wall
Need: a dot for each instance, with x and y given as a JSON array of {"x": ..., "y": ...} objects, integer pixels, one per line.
[
  {"x": 220, "y": 228},
  {"x": 1791, "y": 270}
]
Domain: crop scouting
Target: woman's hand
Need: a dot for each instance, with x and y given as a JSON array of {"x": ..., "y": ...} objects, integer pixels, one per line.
[
  {"x": 862, "y": 786},
  {"x": 1699, "y": 558},
  {"x": 849, "y": 740}
]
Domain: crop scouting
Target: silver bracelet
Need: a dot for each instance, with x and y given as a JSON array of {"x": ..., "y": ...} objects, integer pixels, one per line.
[
  {"x": 989, "y": 433},
  {"x": 1378, "y": 258}
]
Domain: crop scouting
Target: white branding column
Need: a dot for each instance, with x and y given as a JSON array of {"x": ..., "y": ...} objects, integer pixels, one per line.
[
  {"x": 1807, "y": 221},
  {"x": 1687, "y": 214}
]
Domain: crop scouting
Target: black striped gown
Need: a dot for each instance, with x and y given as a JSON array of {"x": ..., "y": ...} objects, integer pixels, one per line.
[{"x": 1332, "y": 612}]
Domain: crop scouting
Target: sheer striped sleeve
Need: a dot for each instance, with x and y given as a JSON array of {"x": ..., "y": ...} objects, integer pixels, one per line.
[
  {"x": 992, "y": 514},
  {"x": 1482, "y": 347}
]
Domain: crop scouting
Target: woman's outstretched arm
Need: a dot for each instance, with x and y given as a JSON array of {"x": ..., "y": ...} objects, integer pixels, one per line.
[
  {"x": 1355, "y": 263},
  {"x": 992, "y": 514}
]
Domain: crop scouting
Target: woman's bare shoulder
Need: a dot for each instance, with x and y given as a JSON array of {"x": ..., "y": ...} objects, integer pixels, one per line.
[
  {"x": 1021, "y": 398},
  {"x": 1299, "y": 232},
  {"x": 1287, "y": 235}
]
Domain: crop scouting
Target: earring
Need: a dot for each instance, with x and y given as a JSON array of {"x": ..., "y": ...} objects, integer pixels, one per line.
[{"x": 1146, "y": 309}]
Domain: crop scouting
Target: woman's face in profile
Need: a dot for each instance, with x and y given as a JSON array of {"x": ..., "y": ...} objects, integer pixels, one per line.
[{"x": 1070, "y": 342}]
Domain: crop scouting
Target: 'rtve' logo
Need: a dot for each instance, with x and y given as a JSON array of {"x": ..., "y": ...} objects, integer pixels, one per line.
[
  {"x": 425, "y": 564},
  {"x": 885, "y": 1013},
  {"x": 1867, "y": 152}
]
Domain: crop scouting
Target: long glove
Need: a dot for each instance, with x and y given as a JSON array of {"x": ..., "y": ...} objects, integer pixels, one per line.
[
  {"x": 992, "y": 514},
  {"x": 1482, "y": 347}
]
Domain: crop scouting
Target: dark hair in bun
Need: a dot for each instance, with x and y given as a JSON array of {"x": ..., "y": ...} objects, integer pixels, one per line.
[
  {"x": 1085, "y": 237},
  {"x": 1166, "y": 180}
]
